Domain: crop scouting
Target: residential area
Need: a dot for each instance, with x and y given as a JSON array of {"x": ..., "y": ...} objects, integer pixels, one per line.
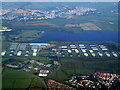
[{"x": 58, "y": 12}]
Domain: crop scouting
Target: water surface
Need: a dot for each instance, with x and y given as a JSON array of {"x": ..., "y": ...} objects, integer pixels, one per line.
[{"x": 61, "y": 36}]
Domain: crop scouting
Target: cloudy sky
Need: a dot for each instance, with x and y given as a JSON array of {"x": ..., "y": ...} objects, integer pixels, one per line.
[{"x": 59, "y": 0}]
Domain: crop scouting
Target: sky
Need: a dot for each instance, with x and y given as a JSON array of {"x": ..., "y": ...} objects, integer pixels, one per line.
[{"x": 60, "y": 0}]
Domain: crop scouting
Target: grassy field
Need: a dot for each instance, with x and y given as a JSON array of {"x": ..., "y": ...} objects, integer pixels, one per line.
[
  {"x": 19, "y": 79},
  {"x": 29, "y": 34},
  {"x": 89, "y": 66},
  {"x": 84, "y": 66}
]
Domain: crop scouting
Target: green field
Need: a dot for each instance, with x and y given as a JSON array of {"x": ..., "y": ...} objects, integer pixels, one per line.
[
  {"x": 18, "y": 79},
  {"x": 84, "y": 66}
]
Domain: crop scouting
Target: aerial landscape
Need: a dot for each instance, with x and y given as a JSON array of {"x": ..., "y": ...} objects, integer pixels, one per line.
[{"x": 60, "y": 45}]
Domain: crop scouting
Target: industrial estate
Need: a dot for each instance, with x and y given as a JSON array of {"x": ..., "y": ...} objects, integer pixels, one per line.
[
  {"x": 33, "y": 49},
  {"x": 60, "y": 46}
]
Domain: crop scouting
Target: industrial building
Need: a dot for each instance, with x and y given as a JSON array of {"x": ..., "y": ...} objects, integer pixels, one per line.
[
  {"x": 43, "y": 73},
  {"x": 107, "y": 54},
  {"x": 13, "y": 46},
  {"x": 86, "y": 54},
  {"x": 64, "y": 47},
  {"x": 19, "y": 53},
  {"x": 93, "y": 54},
  {"x": 114, "y": 54},
  {"x": 100, "y": 54},
  {"x": 3, "y": 53},
  {"x": 23, "y": 46}
]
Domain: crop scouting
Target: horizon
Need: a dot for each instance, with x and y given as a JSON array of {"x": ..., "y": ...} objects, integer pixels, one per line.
[{"x": 60, "y": 1}]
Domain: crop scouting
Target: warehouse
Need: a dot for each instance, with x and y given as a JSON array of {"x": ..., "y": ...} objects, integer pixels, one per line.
[
  {"x": 34, "y": 54},
  {"x": 93, "y": 54},
  {"x": 76, "y": 50},
  {"x": 83, "y": 50},
  {"x": 27, "y": 52},
  {"x": 91, "y": 51},
  {"x": 26, "y": 55},
  {"x": 64, "y": 47},
  {"x": 43, "y": 73},
  {"x": 39, "y": 44},
  {"x": 82, "y": 45},
  {"x": 100, "y": 54},
  {"x": 23, "y": 46},
  {"x": 34, "y": 47},
  {"x": 3, "y": 53},
  {"x": 104, "y": 49},
  {"x": 114, "y": 54},
  {"x": 86, "y": 54},
  {"x": 13, "y": 46},
  {"x": 107, "y": 54},
  {"x": 19, "y": 53},
  {"x": 69, "y": 51},
  {"x": 72, "y": 45},
  {"x": 11, "y": 54},
  {"x": 43, "y": 46},
  {"x": 101, "y": 45},
  {"x": 94, "y": 48},
  {"x": 92, "y": 45}
]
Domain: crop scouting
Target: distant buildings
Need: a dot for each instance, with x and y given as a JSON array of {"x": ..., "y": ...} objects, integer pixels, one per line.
[{"x": 29, "y": 14}]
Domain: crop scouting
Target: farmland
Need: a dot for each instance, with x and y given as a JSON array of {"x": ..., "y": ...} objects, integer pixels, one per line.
[{"x": 17, "y": 79}]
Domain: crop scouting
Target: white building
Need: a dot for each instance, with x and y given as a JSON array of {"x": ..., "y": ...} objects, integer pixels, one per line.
[
  {"x": 43, "y": 73},
  {"x": 104, "y": 49},
  {"x": 86, "y": 54},
  {"x": 92, "y": 45},
  {"x": 63, "y": 46},
  {"x": 83, "y": 50},
  {"x": 91, "y": 51},
  {"x": 34, "y": 54},
  {"x": 93, "y": 54},
  {"x": 19, "y": 53},
  {"x": 72, "y": 45},
  {"x": 3, "y": 53},
  {"x": 76, "y": 50},
  {"x": 114, "y": 54},
  {"x": 100, "y": 54},
  {"x": 94, "y": 48},
  {"x": 107, "y": 54},
  {"x": 69, "y": 51},
  {"x": 34, "y": 50},
  {"x": 81, "y": 45}
]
